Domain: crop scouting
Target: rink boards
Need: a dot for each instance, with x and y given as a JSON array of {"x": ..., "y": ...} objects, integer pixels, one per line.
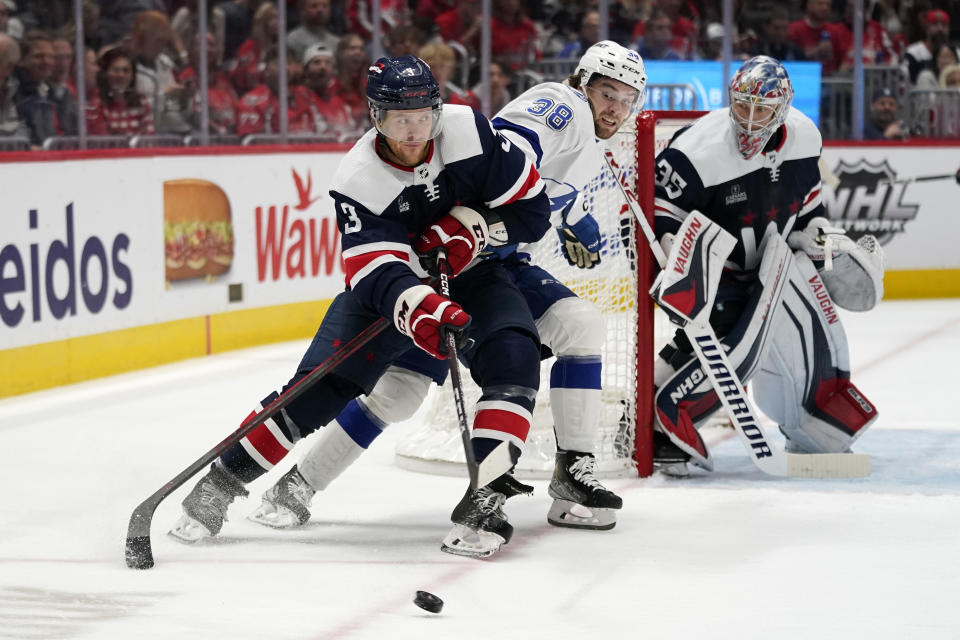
[{"x": 87, "y": 288}]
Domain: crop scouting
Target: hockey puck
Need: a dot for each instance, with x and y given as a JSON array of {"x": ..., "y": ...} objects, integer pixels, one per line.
[{"x": 428, "y": 602}]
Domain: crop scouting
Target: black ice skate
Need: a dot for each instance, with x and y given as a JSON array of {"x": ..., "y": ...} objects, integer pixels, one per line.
[
  {"x": 480, "y": 526},
  {"x": 579, "y": 500},
  {"x": 205, "y": 508},
  {"x": 285, "y": 504},
  {"x": 668, "y": 458}
]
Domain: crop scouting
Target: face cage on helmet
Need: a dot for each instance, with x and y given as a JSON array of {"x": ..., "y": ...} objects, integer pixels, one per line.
[
  {"x": 751, "y": 140},
  {"x": 396, "y": 130},
  {"x": 638, "y": 101}
]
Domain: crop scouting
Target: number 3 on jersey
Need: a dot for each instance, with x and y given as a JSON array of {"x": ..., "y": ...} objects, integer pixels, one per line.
[
  {"x": 557, "y": 116},
  {"x": 353, "y": 220},
  {"x": 670, "y": 179}
]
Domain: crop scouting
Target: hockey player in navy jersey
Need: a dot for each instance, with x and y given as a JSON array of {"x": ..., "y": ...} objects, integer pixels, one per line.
[
  {"x": 427, "y": 178},
  {"x": 752, "y": 169},
  {"x": 557, "y": 126}
]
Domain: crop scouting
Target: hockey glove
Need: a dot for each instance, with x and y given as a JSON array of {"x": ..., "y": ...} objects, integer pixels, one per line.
[
  {"x": 428, "y": 318},
  {"x": 579, "y": 235},
  {"x": 821, "y": 241},
  {"x": 462, "y": 234}
]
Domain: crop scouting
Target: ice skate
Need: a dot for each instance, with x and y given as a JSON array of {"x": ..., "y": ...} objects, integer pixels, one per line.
[
  {"x": 579, "y": 500},
  {"x": 205, "y": 507},
  {"x": 480, "y": 526},
  {"x": 668, "y": 458},
  {"x": 285, "y": 504}
]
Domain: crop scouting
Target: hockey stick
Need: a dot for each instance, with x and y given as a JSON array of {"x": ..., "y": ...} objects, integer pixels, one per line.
[
  {"x": 498, "y": 462},
  {"x": 455, "y": 381},
  {"x": 138, "y": 553},
  {"x": 931, "y": 178},
  {"x": 733, "y": 396}
]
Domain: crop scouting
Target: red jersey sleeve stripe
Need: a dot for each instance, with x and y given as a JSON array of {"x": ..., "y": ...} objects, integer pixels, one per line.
[
  {"x": 361, "y": 265},
  {"x": 528, "y": 185}
]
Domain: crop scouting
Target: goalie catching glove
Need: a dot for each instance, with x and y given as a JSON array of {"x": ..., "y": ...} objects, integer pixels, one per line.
[
  {"x": 428, "y": 318},
  {"x": 851, "y": 271},
  {"x": 579, "y": 235},
  {"x": 462, "y": 234}
]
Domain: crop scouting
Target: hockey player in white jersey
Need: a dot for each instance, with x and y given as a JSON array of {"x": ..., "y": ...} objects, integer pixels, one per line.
[
  {"x": 753, "y": 170},
  {"x": 558, "y": 127}
]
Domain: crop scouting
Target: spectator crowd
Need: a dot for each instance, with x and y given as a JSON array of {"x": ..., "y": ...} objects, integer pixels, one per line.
[{"x": 141, "y": 58}]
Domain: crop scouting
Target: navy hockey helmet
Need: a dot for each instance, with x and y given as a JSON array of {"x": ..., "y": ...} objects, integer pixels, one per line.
[
  {"x": 404, "y": 84},
  {"x": 760, "y": 97}
]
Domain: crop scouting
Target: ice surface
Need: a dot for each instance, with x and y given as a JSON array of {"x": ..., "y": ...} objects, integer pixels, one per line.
[{"x": 733, "y": 554}]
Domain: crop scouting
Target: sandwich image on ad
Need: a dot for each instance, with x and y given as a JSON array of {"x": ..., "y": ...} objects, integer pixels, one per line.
[{"x": 197, "y": 230}]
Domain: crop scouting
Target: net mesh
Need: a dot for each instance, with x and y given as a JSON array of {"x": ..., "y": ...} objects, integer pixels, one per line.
[{"x": 435, "y": 445}]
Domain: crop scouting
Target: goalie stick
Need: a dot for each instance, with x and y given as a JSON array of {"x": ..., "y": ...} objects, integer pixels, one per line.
[
  {"x": 728, "y": 387},
  {"x": 498, "y": 462},
  {"x": 139, "y": 552}
]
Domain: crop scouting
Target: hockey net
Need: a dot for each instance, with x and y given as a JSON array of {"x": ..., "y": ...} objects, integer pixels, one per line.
[{"x": 633, "y": 330}]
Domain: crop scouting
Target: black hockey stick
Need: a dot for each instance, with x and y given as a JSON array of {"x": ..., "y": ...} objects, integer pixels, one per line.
[
  {"x": 139, "y": 554},
  {"x": 456, "y": 382},
  {"x": 931, "y": 178}
]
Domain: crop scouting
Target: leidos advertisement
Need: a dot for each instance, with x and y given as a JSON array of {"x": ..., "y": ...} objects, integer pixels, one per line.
[{"x": 113, "y": 244}]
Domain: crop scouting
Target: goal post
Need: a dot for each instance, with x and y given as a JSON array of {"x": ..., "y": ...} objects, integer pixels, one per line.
[{"x": 633, "y": 330}]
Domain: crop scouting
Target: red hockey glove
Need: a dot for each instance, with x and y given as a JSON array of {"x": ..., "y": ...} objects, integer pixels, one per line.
[
  {"x": 462, "y": 233},
  {"x": 428, "y": 318}
]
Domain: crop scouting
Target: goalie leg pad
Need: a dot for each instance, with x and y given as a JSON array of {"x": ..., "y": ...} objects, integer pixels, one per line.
[
  {"x": 804, "y": 382},
  {"x": 687, "y": 399}
]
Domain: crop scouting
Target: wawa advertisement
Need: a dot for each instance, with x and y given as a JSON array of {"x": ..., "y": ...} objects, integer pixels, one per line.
[{"x": 109, "y": 244}]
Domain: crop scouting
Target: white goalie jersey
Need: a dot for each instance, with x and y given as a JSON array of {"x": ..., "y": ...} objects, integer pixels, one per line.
[{"x": 553, "y": 124}]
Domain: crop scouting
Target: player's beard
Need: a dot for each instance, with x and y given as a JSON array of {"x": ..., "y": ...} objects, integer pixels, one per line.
[
  {"x": 604, "y": 130},
  {"x": 402, "y": 153}
]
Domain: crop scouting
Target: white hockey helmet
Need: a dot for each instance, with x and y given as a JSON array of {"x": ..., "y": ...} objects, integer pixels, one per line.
[
  {"x": 612, "y": 60},
  {"x": 760, "y": 97}
]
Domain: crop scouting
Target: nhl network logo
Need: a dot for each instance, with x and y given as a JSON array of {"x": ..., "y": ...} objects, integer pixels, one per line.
[{"x": 868, "y": 198}]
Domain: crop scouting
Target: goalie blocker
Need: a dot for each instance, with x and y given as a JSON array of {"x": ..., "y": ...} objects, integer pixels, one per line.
[{"x": 786, "y": 335}]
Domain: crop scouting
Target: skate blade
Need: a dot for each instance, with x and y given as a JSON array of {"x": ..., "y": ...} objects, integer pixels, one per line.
[
  {"x": 188, "y": 530},
  {"x": 564, "y": 513},
  {"x": 464, "y": 541},
  {"x": 675, "y": 469},
  {"x": 274, "y": 517}
]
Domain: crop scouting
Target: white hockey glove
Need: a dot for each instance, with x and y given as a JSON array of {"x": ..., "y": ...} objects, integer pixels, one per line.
[
  {"x": 579, "y": 235},
  {"x": 821, "y": 241},
  {"x": 851, "y": 271}
]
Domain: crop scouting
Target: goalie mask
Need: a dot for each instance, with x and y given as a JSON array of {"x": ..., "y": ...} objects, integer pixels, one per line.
[
  {"x": 760, "y": 97},
  {"x": 404, "y": 99},
  {"x": 612, "y": 60}
]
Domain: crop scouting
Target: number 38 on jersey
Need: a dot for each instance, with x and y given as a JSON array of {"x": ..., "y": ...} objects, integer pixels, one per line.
[{"x": 557, "y": 115}]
